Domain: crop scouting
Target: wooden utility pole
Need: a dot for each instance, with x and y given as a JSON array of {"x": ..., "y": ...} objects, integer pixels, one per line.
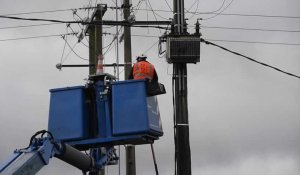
[
  {"x": 130, "y": 149},
  {"x": 127, "y": 40},
  {"x": 182, "y": 144},
  {"x": 92, "y": 52},
  {"x": 95, "y": 50}
]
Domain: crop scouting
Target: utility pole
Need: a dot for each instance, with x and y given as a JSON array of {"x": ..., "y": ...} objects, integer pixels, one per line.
[
  {"x": 92, "y": 46},
  {"x": 95, "y": 50},
  {"x": 127, "y": 39},
  {"x": 130, "y": 149},
  {"x": 182, "y": 144}
]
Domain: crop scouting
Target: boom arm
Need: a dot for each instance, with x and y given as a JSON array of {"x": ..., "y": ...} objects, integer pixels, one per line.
[
  {"x": 29, "y": 160},
  {"x": 33, "y": 158}
]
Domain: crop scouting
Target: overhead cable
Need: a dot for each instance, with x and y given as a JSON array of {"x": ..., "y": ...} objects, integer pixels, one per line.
[
  {"x": 23, "y": 26},
  {"x": 251, "y": 59},
  {"x": 34, "y": 37},
  {"x": 254, "y": 29},
  {"x": 123, "y": 23},
  {"x": 255, "y": 42},
  {"x": 72, "y": 49},
  {"x": 218, "y": 13},
  {"x": 38, "y": 19},
  {"x": 229, "y": 14}
]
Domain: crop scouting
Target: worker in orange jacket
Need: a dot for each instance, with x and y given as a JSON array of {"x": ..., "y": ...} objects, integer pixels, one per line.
[{"x": 142, "y": 69}]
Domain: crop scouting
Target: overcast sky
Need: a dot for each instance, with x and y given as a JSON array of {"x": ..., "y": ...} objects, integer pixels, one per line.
[{"x": 244, "y": 117}]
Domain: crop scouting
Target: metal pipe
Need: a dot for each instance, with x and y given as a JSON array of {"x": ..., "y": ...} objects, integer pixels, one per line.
[{"x": 75, "y": 158}]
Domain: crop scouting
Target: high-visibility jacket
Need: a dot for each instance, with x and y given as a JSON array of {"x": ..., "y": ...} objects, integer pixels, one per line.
[{"x": 142, "y": 70}]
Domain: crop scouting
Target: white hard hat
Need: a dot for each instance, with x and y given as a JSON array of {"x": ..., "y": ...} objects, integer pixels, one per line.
[{"x": 141, "y": 57}]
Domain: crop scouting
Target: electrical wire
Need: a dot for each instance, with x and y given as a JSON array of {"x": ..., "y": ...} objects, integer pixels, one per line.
[
  {"x": 23, "y": 26},
  {"x": 251, "y": 59},
  {"x": 168, "y": 5},
  {"x": 196, "y": 10},
  {"x": 210, "y": 12},
  {"x": 58, "y": 21},
  {"x": 229, "y": 14},
  {"x": 37, "y": 12},
  {"x": 67, "y": 56},
  {"x": 39, "y": 19},
  {"x": 174, "y": 119},
  {"x": 251, "y": 29},
  {"x": 63, "y": 52},
  {"x": 255, "y": 42},
  {"x": 50, "y": 11},
  {"x": 158, "y": 27},
  {"x": 34, "y": 37},
  {"x": 255, "y": 15},
  {"x": 217, "y": 14},
  {"x": 154, "y": 14},
  {"x": 74, "y": 51},
  {"x": 150, "y": 47},
  {"x": 137, "y": 7}
]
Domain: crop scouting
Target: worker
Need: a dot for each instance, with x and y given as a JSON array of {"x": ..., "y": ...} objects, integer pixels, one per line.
[{"x": 142, "y": 69}]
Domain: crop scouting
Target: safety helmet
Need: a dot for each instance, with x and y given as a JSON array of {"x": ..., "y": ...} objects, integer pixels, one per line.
[{"x": 141, "y": 57}]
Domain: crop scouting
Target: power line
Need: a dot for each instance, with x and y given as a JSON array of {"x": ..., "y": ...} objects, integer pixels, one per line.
[
  {"x": 255, "y": 42},
  {"x": 57, "y": 10},
  {"x": 48, "y": 11},
  {"x": 153, "y": 36},
  {"x": 232, "y": 41},
  {"x": 258, "y": 15},
  {"x": 253, "y": 29},
  {"x": 72, "y": 49},
  {"x": 251, "y": 59},
  {"x": 35, "y": 37},
  {"x": 123, "y": 23},
  {"x": 39, "y": 19},
  {"x": 219, "y": 13},
  {"x": 36, "y": 12},
  {"x": 24, "y": 26},
  {"x": 230, "y": 14},
  {"x": 150, "y": 47}
]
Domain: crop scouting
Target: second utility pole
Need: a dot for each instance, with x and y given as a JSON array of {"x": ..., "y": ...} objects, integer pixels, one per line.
[
  {"x": 130, "y": 149},
  {"x": 182, "y": 143},
  {"x": 95, "y": 50}
]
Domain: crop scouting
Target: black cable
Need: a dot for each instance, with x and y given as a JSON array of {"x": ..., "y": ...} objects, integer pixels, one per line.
[
  {"x": 23, "y": 26},
  {"x": 168, "y": 5},
  {"x": 154, "y": 159},
  {"x": 217, "y": 14},
  {"x": 174, "y": 119},
  {"x": 258, "y": 15},
  {"x": 158, "y": 27},
  {"x": 194, "y": 14},
  {"x": 51, "y": 11},
  {"x": 251, "y": 59},
  {"x": 138, "y": 6},
  {"x": 253, "y": 29},
  {"x": 254, "y": 42},
  {"x": 67, "y": 22},
  {"x": 74, "y": 51},
  {"x": 34, "y": 37},
  {"x": 230, "y": 14},
  {"x": 39, "y": 19},
  {"x": 63, "y": 52},
  {"x": 154, "y": 14},
  {"x": 27, "y": 13},
  {"x": 150, "y": 47}
]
